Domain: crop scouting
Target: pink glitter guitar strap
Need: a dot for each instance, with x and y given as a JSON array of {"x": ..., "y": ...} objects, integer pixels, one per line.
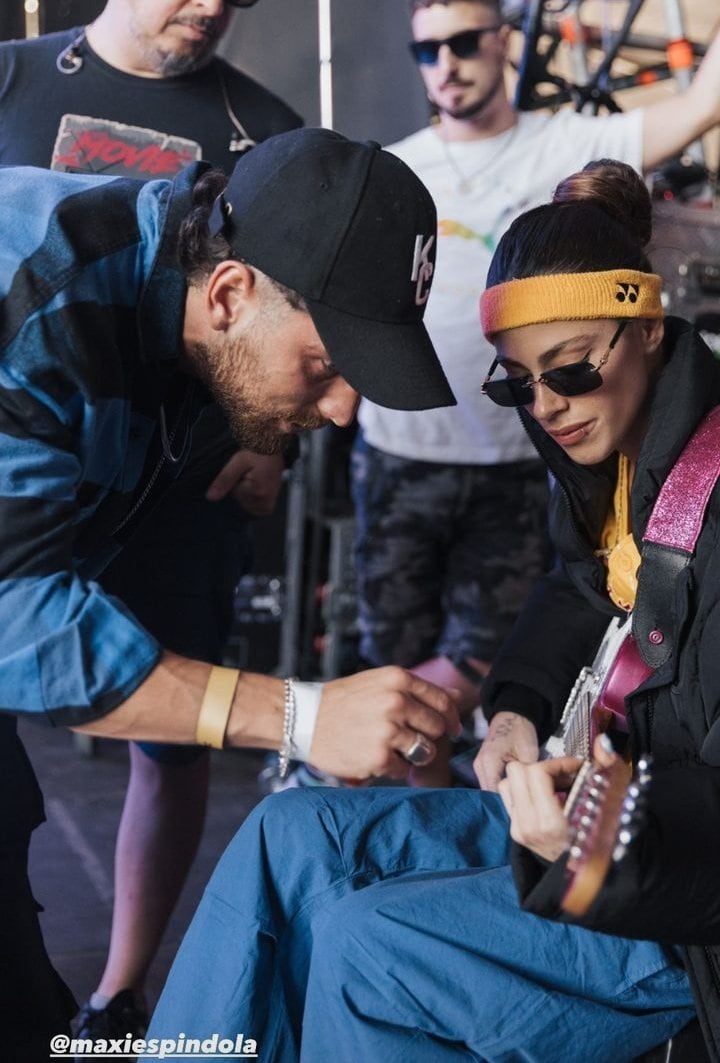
[{"x": 670, "y": 538}]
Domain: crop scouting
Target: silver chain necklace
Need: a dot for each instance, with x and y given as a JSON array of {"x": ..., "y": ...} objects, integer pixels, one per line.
[{"x": 465, "y": 181}]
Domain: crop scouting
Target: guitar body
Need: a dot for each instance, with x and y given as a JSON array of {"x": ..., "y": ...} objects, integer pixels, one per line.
[{"x": 627, "y": 672}]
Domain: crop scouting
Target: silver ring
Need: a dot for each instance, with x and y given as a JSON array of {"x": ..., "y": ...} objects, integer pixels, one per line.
[{"x": 420, "y": 752}]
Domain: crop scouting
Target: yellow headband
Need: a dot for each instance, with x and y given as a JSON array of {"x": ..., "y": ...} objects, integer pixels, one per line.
[{"x": 612, "y": 293}]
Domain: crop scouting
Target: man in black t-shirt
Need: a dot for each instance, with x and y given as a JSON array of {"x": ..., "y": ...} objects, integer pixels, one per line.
[{"x": 140, "y": 92}]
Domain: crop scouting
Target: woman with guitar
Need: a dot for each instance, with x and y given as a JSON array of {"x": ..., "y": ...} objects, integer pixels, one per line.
[
  {"x": 623, "y": 406},
  {"x": 355, "y": 925}
]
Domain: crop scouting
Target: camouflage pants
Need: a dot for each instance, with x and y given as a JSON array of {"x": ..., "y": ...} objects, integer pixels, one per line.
[{"x": 445, "y": 554}]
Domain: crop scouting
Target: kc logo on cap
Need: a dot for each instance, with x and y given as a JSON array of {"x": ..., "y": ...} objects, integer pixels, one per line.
[{"x": 422, "y": 268}]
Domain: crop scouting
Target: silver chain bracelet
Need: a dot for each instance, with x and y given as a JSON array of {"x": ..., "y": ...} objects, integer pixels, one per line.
[{"x": 289, "y": 716}]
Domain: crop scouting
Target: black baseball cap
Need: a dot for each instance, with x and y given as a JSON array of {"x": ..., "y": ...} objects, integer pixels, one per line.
[{"x": 351, "y": 229}]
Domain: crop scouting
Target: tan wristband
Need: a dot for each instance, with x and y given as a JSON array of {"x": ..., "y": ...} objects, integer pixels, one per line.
[{"x": 216, "y": 705}]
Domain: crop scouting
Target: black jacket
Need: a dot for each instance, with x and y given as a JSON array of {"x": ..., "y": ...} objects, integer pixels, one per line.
[{"x": 668, "y": 887}]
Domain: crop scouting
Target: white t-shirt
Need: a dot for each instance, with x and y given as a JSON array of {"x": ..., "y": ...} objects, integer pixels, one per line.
[{"x": 507, "y": 175}]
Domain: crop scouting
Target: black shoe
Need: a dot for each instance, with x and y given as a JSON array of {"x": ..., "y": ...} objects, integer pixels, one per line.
[{"x": 120, "y": 1016}]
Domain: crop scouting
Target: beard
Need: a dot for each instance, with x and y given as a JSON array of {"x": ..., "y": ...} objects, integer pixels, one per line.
[
  {"x": 473, "y": 109},
  {"x": 175, "y": 64},
  {"x": 189, "y": 56},
  {"x": 232, "y": 373}
]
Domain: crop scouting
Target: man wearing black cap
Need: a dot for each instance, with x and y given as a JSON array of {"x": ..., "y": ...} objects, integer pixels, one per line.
[
  {"x": 284, "y": 295},
  {"x": 140, "y": 92}
]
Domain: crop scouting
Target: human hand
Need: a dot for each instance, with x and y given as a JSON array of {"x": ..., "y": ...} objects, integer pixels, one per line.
[
  {"x": 528, "y": 792},
  {"x": 510, "y": 737},
  {"x": 367, "y": 721},
  {"x": 253, "y": 480}
]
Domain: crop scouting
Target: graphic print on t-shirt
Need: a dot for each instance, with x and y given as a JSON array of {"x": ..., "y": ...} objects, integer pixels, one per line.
[
  {"x": 95, "y": 145},
  {"x": 450, "y": 227}
]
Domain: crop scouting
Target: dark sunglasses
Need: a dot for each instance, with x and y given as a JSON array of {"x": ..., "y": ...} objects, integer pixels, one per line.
[
  {"x": 241, "y": 3},
  {"x": 463, "y": 45},
  {"x": 577, "y": 378}
]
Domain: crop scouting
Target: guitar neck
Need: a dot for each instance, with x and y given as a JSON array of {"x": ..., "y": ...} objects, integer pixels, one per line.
[{"x": 613, "y": 671}]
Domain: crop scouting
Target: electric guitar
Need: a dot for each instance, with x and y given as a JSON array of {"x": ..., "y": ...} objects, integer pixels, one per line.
[
  {"x": 604, "y": 815},
  {"x": 597, "y": 700},
  {"x": 603, "y": 803}
]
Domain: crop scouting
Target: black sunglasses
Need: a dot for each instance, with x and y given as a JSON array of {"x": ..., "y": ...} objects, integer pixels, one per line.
[
  {"x": 463, "y": 45},
  {"x": 577, "y": 378},
  {"x": 241, "y": 3}
]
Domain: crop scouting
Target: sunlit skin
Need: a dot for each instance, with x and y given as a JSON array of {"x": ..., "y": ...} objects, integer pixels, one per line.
[
  {"x": 262, "y": 359},
  {"x": 159, "y": 38},
  {"x": 613, "y": 418},
  {"x": 469, "y": 93}
]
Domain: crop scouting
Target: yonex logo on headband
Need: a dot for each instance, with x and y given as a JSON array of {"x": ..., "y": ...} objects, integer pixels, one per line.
[{"x": 627, "y": 292}]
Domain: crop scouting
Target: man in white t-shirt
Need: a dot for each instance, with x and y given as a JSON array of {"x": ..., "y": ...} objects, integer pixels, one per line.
[{"x": 450, "y": 503}]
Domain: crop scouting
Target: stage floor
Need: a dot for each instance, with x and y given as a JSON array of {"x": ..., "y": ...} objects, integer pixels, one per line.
[{"x": 71, "y": 864}]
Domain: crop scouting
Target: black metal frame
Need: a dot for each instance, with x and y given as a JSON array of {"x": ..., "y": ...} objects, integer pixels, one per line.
[{"x": 533, "y": 67}]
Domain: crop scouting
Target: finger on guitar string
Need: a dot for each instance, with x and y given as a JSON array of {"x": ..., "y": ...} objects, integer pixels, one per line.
[{"x": 530, "y": 796}]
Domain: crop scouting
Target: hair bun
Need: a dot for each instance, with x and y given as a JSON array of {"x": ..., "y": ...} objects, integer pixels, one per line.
[{"x": 615, "y": 188}]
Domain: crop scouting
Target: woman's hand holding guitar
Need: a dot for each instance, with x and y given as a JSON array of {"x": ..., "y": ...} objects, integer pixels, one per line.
[{"x": 530, "y": 795}]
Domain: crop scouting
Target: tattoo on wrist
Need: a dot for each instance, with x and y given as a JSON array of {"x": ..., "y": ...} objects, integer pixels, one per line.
[{"x": 503, "y": 728}]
